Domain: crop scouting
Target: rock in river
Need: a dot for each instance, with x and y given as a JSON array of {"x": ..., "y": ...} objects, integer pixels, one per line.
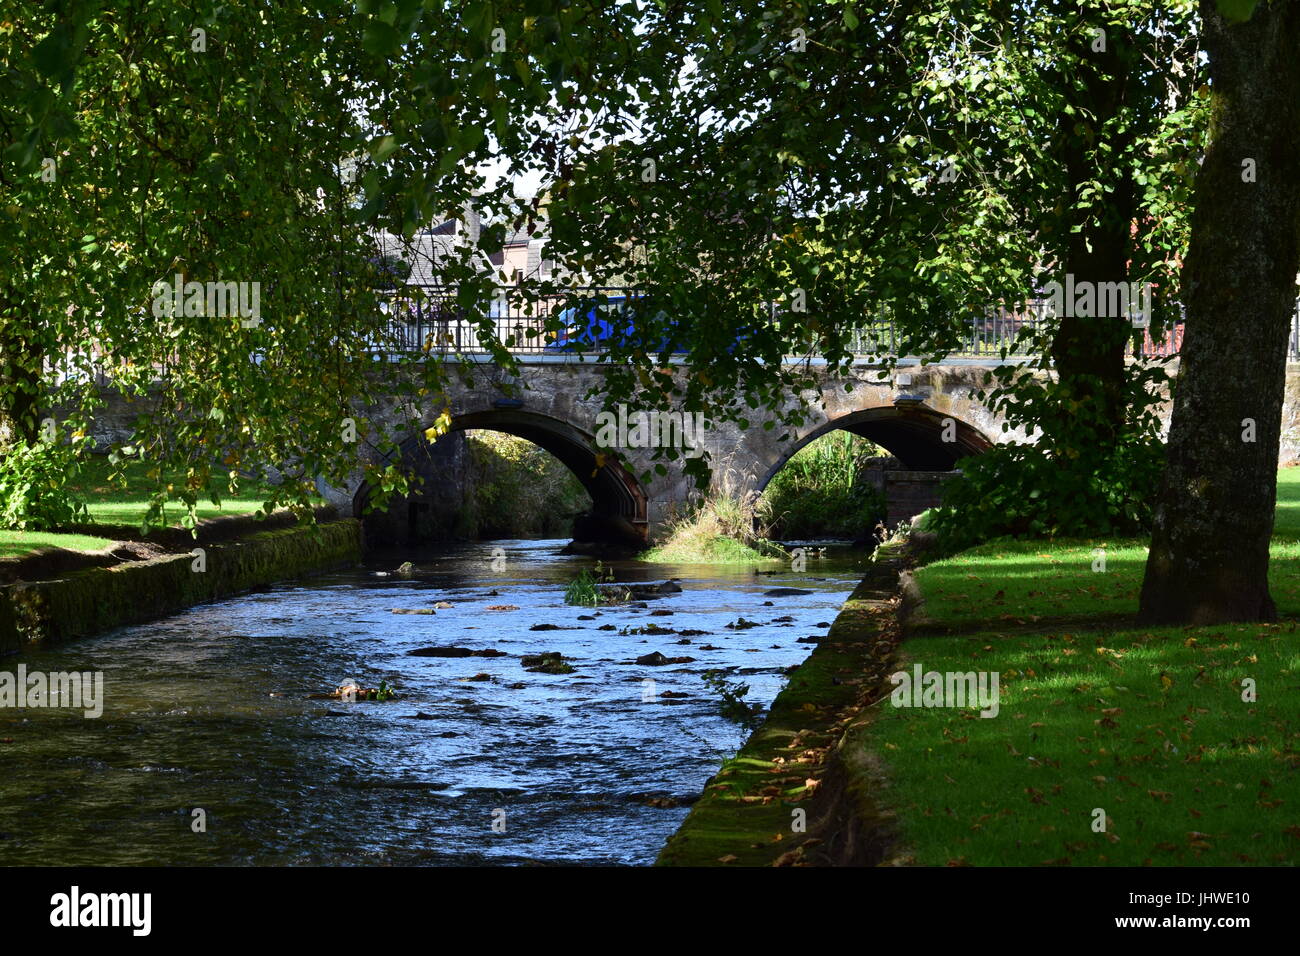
[
  {"x": 618, "y": 593},
  {"x": 656, "y": 659},
  {"x": 548, "y": 662},
  {"x": 455, "y": 652}
]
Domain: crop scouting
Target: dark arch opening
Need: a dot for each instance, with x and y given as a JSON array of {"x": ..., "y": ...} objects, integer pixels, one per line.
[
  {"x": 619, "y": 504},
  {"x": 910, "y": 431},
  {"x": 914, "y": 434}
]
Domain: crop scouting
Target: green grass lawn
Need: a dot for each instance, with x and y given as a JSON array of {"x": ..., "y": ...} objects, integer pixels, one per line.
[
  {"x": 1008, "y": 580},
  {"x": 15, "y": 543},
  {"x": 124, "y": 501},
  {"x": 1147, "y": 725},
  {"x": 1286, "y": 517},
  {"x": 1061, "y": 581}
]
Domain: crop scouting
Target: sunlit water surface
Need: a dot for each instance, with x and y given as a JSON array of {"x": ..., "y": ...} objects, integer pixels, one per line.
[{"x": 212, "y": 709}]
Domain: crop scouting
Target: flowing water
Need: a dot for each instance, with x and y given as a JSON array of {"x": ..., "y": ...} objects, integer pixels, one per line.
[{"x": 213, "y": 710}]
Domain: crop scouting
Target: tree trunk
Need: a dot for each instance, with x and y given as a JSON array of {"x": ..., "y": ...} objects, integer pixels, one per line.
[
  {"x": 1088, "y": 352},
  {"x": 1214, "y": 517}
]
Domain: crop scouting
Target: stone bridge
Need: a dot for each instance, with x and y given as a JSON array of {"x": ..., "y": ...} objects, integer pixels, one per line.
[{"x": 926, "y": 417}]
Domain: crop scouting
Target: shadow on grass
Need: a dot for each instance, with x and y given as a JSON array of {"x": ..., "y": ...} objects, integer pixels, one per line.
[
  {"x": 1038, "y": 582},
  {"x": 1057, "y": 581},
  {"x": 1147, "y": 726}
]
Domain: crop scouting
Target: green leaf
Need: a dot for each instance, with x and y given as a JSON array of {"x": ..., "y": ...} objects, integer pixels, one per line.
[
  {"x": 380, "y": 39},
  {"x": 382, "y": 147},
  {"x": 1237, "y": 11}
]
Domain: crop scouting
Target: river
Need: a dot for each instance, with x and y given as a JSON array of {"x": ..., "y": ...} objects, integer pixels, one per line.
[{"x": 478, "y": 762}]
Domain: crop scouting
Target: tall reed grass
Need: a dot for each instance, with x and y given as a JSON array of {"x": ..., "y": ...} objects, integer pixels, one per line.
[
  {"x": 819, "y": 493},
  {"x": 718, "y": 529}
]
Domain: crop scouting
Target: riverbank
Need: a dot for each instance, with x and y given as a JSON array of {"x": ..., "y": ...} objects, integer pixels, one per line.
[
  {"x": 794, "y": 793},
  {"x": 116, "y": 500},
  {"x": 1108, "y": 743},
  {"x": 55, "y": 595},
  {"x": 720, "y": 529},
  {"x": 1112, "y": 743}
]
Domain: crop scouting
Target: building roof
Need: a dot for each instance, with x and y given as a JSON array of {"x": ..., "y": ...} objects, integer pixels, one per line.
[{"x": 429, "y": 247}]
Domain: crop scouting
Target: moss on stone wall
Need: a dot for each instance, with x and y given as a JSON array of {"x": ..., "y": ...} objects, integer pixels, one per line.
[
  {"x": 794, "y": 761},
  {"x": 86, "y": 602}
]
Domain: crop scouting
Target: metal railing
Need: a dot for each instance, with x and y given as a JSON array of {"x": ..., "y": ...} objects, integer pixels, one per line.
[
  {"x": 1006, "y": 332},
  {"x": 429, "y": 318},
  {"x": 983, "y": 335},
  {"x": 432, "y": 319}
]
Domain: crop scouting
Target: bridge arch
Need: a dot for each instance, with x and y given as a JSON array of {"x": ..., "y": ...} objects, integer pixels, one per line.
[
  {"x": 912, "y": 432},
  {"x": 619, "y": 503}
]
